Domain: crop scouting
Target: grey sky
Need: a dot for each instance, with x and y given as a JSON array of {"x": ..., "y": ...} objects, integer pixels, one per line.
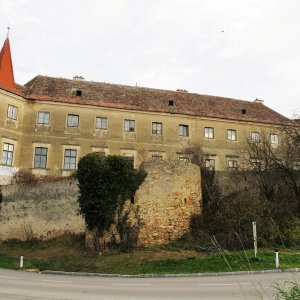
[{"x": 241, "y": 49}]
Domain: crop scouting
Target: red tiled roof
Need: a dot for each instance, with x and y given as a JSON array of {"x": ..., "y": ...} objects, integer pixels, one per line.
[
  {"x": 6, "y": 67},
  {"x": 149, "y": 100}
]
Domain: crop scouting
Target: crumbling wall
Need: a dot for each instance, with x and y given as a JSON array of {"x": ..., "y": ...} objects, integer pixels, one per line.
[{"x": 160, "y": 211}]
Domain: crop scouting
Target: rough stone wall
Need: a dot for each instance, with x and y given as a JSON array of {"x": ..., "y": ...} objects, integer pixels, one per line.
[
  {"x": 41, "y": 210},
  {"x": 161, "y": 210},
  {"x": 166, "y": 200}
]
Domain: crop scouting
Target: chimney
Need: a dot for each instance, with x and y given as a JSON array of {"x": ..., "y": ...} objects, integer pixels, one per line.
[
  {"x": 78, "y": 78},
  {"x": 258, "y": 101}
]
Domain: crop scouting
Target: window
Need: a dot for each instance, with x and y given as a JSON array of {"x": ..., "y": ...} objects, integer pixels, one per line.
[
  {"x": 274, "y": 139},
  {"x": 157, "y": 157},
  {"x": 183, "y": 130},
  {"x": 210, "y": 164},
  {"x": 209, "y": 132},
  {"x": 129, "y": 125},
  {"x": 73, "y": 120},
  {"x": 156, "y": 128},
  {"x": 231, "y": 134},
  {"x": 43, "y": 117},
  {"x": 70, "y": 159},
  {"x": 256, "y": 164},
  {"x": 170, "y": 102},
  {"x": 101, "y": 122},
  {"x": 232, "y": 163},
  {"x": 40, "y": 157},
  {"x": 184, "y": 157},
  {"x": 12, "y": 112},
  {"x": 255, "y": 137},
  {"x": 7, "y": 154}
]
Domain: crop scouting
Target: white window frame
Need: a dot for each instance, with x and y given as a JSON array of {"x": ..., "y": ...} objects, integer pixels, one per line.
[
  {"x": 209, "y": 132},
  {"x": 231, "y": 135},
  {"x": 254, "y": 136},
  {"x": 274, "y": 139},
  {"x": 101, "y": 123},
  {"x": 40, "y": 157},
  {"x": 8, "y": 154},
  {"x": 72, "y": 120},
  {"x": 183, "y": 130},
  {"x": 232, "y": 163},
  {"x": 70, "y": 159},
  {"x": 12, "y": 112},
  {"x": 129, "y": 125},
  {"x": 210, "y": 163},
  {"x": 157, "y": 128},
  {"x": 43, "y": 117}
]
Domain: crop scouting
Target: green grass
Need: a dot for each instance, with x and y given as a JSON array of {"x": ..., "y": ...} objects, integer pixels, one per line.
[{"x": 69, "y": 254}]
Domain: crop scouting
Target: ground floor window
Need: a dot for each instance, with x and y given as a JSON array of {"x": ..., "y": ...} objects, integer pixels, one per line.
[
  {"x": 40, "y": 157},
  {"x": 70, "y": 159},
  {"x": 7, "y": 154}
]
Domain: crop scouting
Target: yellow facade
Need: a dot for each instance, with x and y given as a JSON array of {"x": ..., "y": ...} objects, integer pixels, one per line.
[{"x": 63, "y": 145}]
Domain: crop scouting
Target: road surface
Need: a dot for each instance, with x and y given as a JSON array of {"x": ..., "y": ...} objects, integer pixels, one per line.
[{"x": 25, "y": 285}]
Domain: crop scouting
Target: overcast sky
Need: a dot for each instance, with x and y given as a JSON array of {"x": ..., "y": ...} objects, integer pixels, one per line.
[{"x": 243, "y": 49}]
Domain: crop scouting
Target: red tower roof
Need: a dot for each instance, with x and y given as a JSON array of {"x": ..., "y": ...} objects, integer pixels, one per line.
[{"x": 6, "y": 68}]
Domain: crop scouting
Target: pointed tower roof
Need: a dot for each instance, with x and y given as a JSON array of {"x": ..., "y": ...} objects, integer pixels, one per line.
[{"x": 6, "y": 68}]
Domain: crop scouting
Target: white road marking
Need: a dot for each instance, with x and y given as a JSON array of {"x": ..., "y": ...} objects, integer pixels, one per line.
[
  {"x": 57, "y": 281},
  {"x": 224, "y": 284},
  {"x": 8, "y": 277},
  {"x": 132, "y": 284}
]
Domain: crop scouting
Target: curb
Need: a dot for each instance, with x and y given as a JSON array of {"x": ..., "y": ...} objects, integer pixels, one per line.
[{"x": 169, "y": 275}]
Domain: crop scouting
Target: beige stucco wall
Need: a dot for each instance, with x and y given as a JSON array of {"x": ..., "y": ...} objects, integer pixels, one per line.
[{"x": 26, "y": 134}]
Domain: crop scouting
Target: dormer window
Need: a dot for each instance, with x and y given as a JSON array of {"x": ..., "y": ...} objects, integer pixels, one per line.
[
  {"x": 78, "y": 93},
  {"x": 170, "y": 102}
]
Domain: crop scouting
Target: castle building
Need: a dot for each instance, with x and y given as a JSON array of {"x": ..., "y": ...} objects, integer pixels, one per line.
[{"x": 47, "y": 124}]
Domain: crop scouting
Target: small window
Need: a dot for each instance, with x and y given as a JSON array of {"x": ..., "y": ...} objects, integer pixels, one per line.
[
  {"x": 210, "y": 164},
  {"x": 12, "y": 112},
  {"x": 73, "y": 120},
  {"x": 7, "y": 154},
  {"x": 40, "y": 157},
  {"x": 78, "y": 93},
  {"x": 244, "y": 111},
  {"x": 209, "y": 132},
  {"x": 129, "y": 125},
  {"x": 231, "y": 135},
  {"x": 170, "y": 102},
  {"x": 256, "y": 164},
  {"x": 156, "y": 128},
  {"x": 43, "y": 117},
  {"x": 183, "y": 130},
  {"x": 183, "y": 157},
  {"x": 232, "y": 163},
  {"x": 70, "y": 159},
  {"x": 255, "y": 137},
  {"x": 101, "y": 122},
  {"x": 157, "y": 157},
  {"x": 274, "y": 139}
]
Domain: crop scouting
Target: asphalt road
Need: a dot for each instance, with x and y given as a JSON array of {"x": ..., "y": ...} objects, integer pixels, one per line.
[{"x": 24, "y": 285}]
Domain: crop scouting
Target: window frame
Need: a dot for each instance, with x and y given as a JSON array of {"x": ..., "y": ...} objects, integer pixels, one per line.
[
  {"x": 103, "y": 122},
  {"x": 8, "y": 154},
  {"x": 208, "y": 131},
  {"x": 71, "y": 120},
  {"x": 70, "y": 159},
  {"x": 208, "y": 165},
  {"x": 230, "y": 134},
  {"x": 43, "y": 118},
  {"x": 183, "y": 130},
  {"x": 129, "y": 125},
  {"x": 156, "y": 129},
  {"x": 12, "y": 112},
  {"x": 232, "y": 163},
  {"x": 272, "y": 135},
  {"x": 40, "y": 163},
  {"x": 254, "y": 137}
]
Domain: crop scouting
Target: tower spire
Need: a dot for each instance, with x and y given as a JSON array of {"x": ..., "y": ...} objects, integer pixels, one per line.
[{"x": 6, "y": 68}]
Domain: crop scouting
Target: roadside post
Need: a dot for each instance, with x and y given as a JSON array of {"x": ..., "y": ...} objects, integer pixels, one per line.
[
  {"x": 21, "y": 261},
  {"x": 276, "y": 259},
  {"x": 254, "y": 238}
]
